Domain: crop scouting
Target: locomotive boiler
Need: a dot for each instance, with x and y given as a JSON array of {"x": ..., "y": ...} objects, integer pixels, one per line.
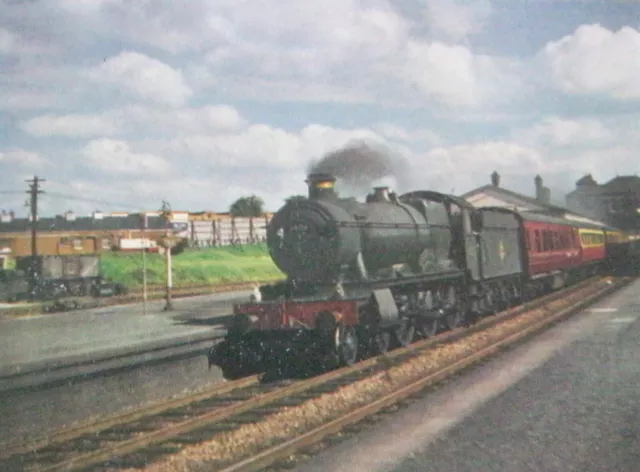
[
  {"x": 361, "y": 277},
  {"x": 325, "y": 239}
]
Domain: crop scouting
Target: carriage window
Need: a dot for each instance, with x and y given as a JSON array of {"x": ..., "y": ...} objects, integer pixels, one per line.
[
  {"x": 538, "y": 241},
  {"x": 546, "y": 240}
]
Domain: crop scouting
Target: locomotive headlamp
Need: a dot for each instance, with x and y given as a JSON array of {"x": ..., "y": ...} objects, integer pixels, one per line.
[
  {"x": 321, "y": 185},
  {"x": 325, "y": 184}
]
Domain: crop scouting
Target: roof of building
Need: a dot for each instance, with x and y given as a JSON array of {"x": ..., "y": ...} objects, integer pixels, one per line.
[
  {"x": 528, "y": 204},
  {"x": 623, "y": 183},
  {"x": 619, "y": 184},
  {"x": 85, "y": 223},
  {"x": 515, "y": 198},
  {"x": 586, "y": 180}
]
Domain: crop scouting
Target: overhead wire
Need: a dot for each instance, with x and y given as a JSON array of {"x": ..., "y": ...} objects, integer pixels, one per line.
[{"x": 89, "y": 200}]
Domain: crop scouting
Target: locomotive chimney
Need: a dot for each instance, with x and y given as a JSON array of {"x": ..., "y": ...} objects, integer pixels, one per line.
[
  {"x": 321, "y": 186},
  {"x": 380, "y": 194}
]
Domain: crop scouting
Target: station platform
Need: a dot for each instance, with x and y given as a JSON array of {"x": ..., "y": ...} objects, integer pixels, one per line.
[
  {"x": 567, "y": 400},
  {"x": 32, "y": 342}
]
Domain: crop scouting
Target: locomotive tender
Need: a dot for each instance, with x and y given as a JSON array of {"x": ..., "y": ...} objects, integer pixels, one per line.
[{"x": 366, "y": 277}]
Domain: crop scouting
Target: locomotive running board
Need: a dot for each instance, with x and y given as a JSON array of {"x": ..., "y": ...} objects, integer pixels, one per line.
[{"x": 410, "y": 280}]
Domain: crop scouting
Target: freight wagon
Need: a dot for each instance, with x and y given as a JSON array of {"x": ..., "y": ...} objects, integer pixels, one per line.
[{"x": 59, "y": 276}]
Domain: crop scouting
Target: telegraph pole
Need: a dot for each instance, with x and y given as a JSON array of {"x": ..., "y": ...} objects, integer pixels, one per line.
[
  {"x": 34, "y": 191},
  {"x": 144, "y": 264},
  {"x": 168, "y": 244}
]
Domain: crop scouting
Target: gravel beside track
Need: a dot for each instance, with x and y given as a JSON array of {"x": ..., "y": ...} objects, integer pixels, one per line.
[
  {"x": 234, "y": 425},
  {"x": 373, "y": 397}
]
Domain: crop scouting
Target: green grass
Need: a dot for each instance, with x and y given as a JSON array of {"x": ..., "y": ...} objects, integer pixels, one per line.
[{"x": 218, "y": 265}]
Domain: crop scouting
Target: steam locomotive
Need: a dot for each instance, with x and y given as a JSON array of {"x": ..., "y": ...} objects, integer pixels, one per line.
[{"x": 363, "y": 278}]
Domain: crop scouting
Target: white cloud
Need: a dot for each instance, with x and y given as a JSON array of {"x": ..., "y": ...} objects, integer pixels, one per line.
[
  {"x": 74, "y": 125},
  {"x": 397, "y": 133},
  {"x": 595, "y": 60},
  {"x": 140, "y": 120},
  {"x": 556, "y": 131},
  {"x": 465, "y": 166},
  {"x": 144, "y": 77},
  {"x": 206, "y": 119},
  {"x": 445, "y": 73},
  {"x": 7, "y": 41},
  {"x": 260, "y": 146},
  {"x": 145, "y": 95},
  {"x": 23, "y": 159},
  {"x": 341, "y": 51},
  {"x": 456, "y": 20},
  {"x": 116, "y": 158},
  {"x": 455, "y": 77}
]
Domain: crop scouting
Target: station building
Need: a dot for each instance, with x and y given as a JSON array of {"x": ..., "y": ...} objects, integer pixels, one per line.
[{"x": 493, "y": 194}]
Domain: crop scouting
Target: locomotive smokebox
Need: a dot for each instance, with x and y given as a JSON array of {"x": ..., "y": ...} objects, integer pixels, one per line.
[{"x": 321, "y": 186}]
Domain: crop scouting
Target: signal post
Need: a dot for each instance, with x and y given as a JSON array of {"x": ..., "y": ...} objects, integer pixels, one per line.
[{"x": 167, "y": 243}]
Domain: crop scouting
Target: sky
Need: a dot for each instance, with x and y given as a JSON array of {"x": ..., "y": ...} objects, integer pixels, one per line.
[{"x": 120, "y": 105}]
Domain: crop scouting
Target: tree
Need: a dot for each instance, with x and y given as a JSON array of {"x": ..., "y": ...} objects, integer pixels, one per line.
[{"x": 247, "y": 207}]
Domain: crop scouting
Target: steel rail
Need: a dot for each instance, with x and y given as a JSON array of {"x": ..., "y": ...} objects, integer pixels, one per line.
[
  {"x": 271, "y": 455},
  {"x": 67, "y": 434},
  {"x": 219, "y": 414},
  {"x": 73, "y": 432}
]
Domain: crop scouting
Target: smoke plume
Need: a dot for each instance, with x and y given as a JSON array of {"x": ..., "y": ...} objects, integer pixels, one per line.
[{"x": 358, "y": 165}]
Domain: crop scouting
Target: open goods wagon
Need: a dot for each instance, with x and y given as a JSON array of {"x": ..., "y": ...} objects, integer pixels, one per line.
[{"x": 63, "y": 275}]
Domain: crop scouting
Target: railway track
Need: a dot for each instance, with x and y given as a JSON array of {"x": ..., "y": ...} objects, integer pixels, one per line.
[
  {"x": 138, "y": 438},
  {"x": 153, "y": 294}
]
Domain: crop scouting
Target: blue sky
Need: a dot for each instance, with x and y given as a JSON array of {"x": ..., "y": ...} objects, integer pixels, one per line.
[{"x": 202, "y": 102}]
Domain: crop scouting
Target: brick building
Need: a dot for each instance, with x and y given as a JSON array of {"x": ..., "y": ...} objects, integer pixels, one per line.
[{"x": 69, "y": 234}]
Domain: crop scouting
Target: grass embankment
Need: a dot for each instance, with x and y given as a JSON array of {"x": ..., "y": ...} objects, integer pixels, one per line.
[{"x": 217, "y": 265}]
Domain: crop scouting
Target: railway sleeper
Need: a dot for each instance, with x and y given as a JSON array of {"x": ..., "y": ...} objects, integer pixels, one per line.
[
  {"x": 144, "y": 425},
  {"x": 195, "y": 437}
]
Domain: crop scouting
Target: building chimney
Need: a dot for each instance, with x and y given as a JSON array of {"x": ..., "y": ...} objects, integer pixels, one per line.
[
  {"x": 321, "y": 186},
  {"x": 539, "y": 188},
  {"x": 495, "y": 179},
  {"x": 543, "y": 194}
]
